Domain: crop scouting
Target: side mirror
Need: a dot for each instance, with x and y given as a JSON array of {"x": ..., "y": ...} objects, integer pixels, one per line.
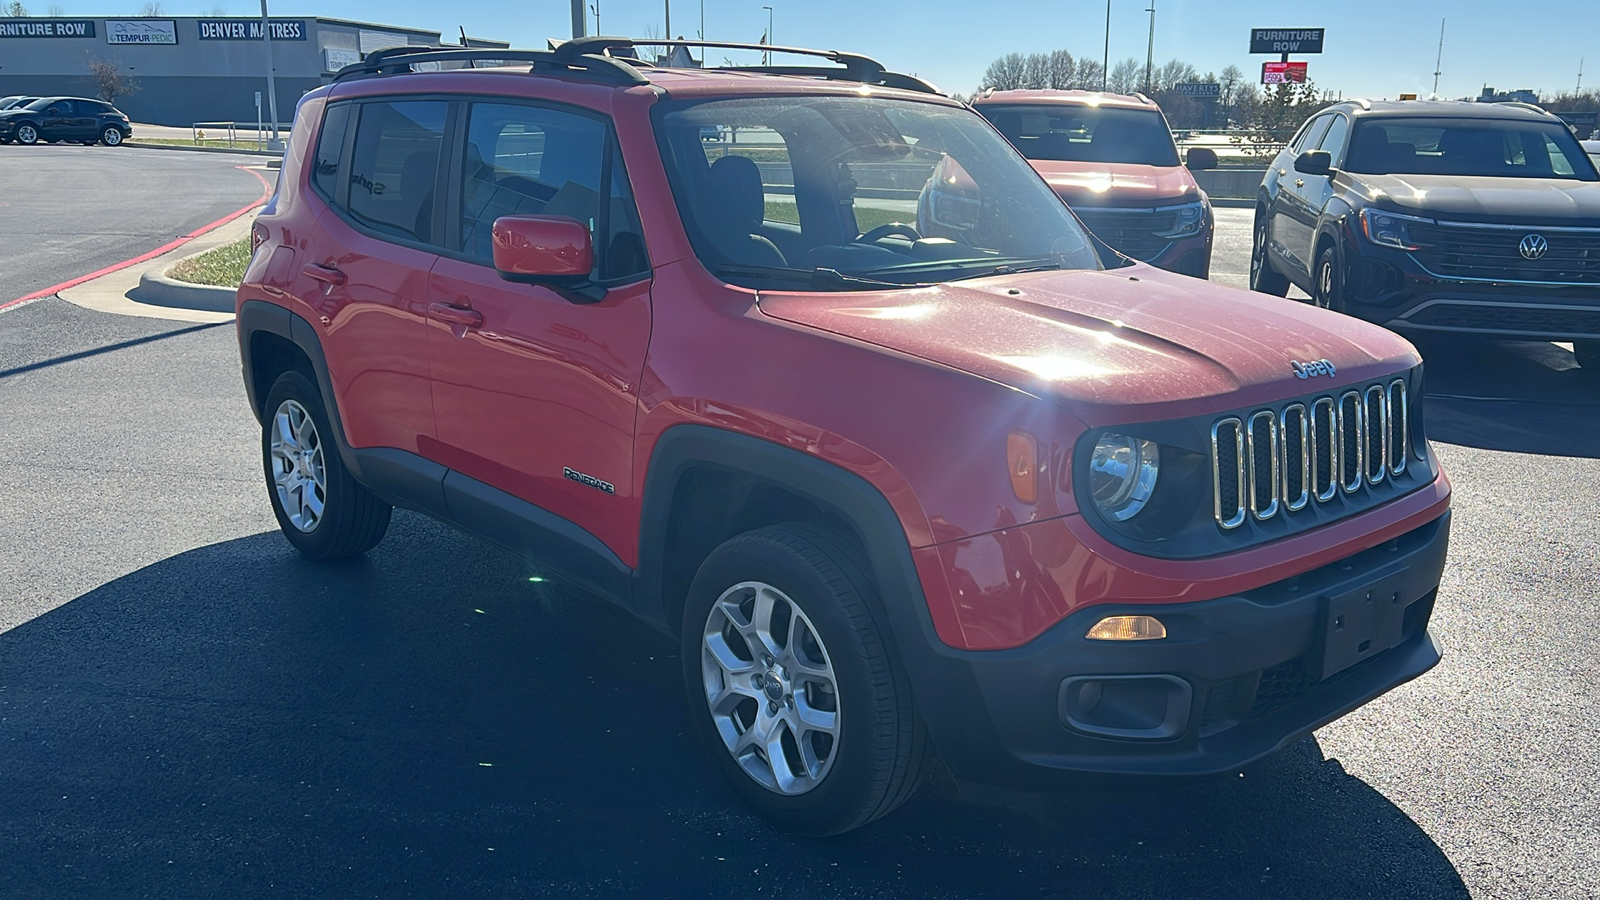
[
  {"x": 1314, "y": 162},
  {"x": 53, "y": 111},
  {"x": 547, "y": 249},
  {"x": 1201, "y": 158}
]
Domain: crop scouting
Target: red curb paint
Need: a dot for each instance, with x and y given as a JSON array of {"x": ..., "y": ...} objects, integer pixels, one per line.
[{"x": 266, "y": 192}]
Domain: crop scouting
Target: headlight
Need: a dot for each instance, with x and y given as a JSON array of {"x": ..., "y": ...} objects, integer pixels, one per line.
[
  {"x": 1190, "y": 219},
  {"x": 1388, "y": 229},
  {"x": 1122, "y": 475}
]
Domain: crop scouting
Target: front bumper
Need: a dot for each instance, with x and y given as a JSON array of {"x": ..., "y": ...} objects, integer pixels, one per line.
[
  {"x": 1237, "y": 678},
  {"x": 1391, "y": 288}
]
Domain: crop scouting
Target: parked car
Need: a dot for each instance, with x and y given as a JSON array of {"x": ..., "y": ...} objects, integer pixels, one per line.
[
  {"x": 72, "y": 119},
  {"x": 1438, "y": 216},
  {"x": 14, "y": 101},
  {"x": 1593, "y": 149},
  {"x": 1112, "y": 158},
  {"x": 1014, "y": 498}
]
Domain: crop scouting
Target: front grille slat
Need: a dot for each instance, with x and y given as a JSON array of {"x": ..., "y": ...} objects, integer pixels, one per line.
[
  {"x": 1281, "y": 461},
  {"x": 1492, "y": 253}
]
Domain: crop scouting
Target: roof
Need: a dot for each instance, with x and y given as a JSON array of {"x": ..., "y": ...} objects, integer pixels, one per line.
[
  {"x": 1455, "y": 109},
  {"x": 1065, "y": 98}
]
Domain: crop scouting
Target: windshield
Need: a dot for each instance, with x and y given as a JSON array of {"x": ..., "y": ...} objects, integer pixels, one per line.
[
  {"x": 857, "y": 193},
  {"x": 1086, "y": 133},
  {"x": 1500, "y": 148}
]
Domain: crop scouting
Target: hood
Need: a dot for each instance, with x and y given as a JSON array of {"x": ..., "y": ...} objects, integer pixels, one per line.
[
  {"x": 1129, "y": 337},
  {"x": 1117, "y": 184},
  {"x": 1514, "y": 201}
]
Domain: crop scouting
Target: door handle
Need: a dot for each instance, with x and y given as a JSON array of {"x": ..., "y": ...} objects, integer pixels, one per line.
[
  {"x": 1299, "y": 182},
  {"x": 328, "y": 275},
  {"x": 455, "y": 315},
  {"x": 1283, "y": 171}
]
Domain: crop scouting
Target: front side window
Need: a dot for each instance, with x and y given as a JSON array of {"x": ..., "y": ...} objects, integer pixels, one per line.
[
  {"x": 1333, "y": 141},
  {"x": 528, "y": 161},
  {"x": 1086, "y": 133},
  {"x": 1472, "y": 147},
  {"x": 394, "y": 166},
  {"x": 855, "y": 193}
]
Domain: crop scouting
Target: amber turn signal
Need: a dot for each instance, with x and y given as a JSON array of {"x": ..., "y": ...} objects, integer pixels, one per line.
[
  {"x": 1022, "y": 461},
  {"x": 1127, "y": 628}
]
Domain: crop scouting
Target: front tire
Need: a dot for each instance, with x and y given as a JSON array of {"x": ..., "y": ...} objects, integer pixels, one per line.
[
  {"x": 111, "y": 137},
  {"x": 793, "y": 685},
  {"x": 1264, "y": 278},
  {"x": 320, "y": 508},
  {"x": 1328, "y": 287},
  {"x": 27, "y": 134}
]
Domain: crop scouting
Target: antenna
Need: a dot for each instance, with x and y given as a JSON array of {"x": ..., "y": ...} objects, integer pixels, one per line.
[{"x": 1439, "y": 60}]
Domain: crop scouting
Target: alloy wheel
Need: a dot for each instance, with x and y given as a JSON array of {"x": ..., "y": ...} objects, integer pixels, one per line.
[
  {"x": 112, "y": 137},
  {"x": 1258, "y": 255},
  {"x": 298, "y": 472},
  {"x": 27, "y": 134},
  {"x": 771, "y": 687}
]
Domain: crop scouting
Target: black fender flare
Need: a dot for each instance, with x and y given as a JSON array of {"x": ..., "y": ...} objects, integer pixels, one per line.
[
  {"x": 935, "y": 669},
  {"x": 256, "y": 316}
]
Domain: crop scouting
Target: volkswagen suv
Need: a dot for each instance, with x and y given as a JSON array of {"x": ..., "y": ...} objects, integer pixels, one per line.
[
  {"x": 1442, "y": 216},
  {"x": 1012, "y": 499}
]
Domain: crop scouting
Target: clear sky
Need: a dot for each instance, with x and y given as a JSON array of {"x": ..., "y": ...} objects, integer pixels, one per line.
[{"x": 1375, "y": 48}]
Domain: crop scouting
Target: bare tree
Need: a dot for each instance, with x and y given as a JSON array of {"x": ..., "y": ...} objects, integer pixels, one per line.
[
  {"x": 15, "y": 9},
  {"x": 1005, "y": 73},
  {"x": 1174, "y": 72},
  {"x": 1126, "y": 76},
  {"x": 150, "y": 8},
  {"x": 110, "y": 82},
  {"x": 1088, "y": 76},
  {"x": 1036, "y": 71},
  {"x": 1063, "y": 71},
  {"x": 218, "y": 12}
]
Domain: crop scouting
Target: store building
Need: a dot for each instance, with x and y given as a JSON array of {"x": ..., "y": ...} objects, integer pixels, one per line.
[{"x": 188, "y": 69}]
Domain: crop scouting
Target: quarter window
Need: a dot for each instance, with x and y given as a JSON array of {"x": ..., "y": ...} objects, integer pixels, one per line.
[
  {"x": 330, "y": 149},
  {"x": 394, "y": 166}
]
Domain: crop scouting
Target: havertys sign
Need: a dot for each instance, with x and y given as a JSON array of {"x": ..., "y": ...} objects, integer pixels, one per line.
[
  {"x": 1286, "y": 40},
  {"x": 250, "y": 29}
]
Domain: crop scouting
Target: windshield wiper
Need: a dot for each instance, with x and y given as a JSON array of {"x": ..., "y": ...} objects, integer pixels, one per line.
[
  {"x": 819, "y": 278},
  {"x": 1008, "y": 270},
  {"x": 985, "y": 267}
]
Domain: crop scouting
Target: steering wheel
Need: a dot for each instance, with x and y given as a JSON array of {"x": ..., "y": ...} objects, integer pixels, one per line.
[{"x": 883, "y": 231}]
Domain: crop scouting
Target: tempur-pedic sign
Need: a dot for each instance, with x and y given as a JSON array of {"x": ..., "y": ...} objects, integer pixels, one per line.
[
  {"x": 250, "y": 29},
  {"x": 48, "y": 28},
  {"x": 141, "y": 31}
]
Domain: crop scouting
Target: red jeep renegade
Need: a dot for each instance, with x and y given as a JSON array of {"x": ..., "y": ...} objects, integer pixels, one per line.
[{"x": 1005, "y": 496}]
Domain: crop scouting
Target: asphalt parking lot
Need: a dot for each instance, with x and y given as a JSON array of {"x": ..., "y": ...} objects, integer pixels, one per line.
[{"x": 188, "y": 709}]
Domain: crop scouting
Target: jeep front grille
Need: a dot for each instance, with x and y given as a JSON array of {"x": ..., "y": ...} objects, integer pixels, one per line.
[{"x": 1277, "y": 462}]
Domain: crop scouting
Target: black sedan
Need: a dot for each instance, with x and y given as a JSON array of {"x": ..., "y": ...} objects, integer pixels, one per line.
[{"x": 70, "y": 119}]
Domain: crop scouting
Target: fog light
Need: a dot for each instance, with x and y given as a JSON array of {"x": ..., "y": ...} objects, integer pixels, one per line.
[{"x": 1127, "y": 628}]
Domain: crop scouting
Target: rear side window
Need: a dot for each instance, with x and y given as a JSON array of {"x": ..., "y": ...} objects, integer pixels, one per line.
[
  {"x": 330, "y": 150},
  {"x": 394, "y": 166}
]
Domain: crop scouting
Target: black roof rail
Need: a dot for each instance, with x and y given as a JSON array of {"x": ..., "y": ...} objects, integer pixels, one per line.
[
  {"x": 856, "y": 67},
  {"x": 396, "y": 60}
]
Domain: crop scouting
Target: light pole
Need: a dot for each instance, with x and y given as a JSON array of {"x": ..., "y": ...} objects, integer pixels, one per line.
[
  {"x": 272, "y": 89},
  {"x": 1105, "y": 66},
  {"x": 766, "y": 58},
  {"x": 595, "y": 8},
  {"x": 580, "y": 22},
  {"x": 1150, "y": 54}
]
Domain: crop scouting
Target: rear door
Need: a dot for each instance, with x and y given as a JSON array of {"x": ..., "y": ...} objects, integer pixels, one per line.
[
  {"x": 363, "y": 273},
  {"x": 544, "y": 387}
]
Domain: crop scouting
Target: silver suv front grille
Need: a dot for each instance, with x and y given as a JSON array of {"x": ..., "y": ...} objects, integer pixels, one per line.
[{"x": 1280, "y": 461}]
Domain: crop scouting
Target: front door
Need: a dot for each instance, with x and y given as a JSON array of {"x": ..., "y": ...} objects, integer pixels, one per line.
[{"x": 535, "y": 390}]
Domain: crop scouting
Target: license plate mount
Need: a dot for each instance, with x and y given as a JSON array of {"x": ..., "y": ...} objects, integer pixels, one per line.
[{"x": 1360, "y": 624}]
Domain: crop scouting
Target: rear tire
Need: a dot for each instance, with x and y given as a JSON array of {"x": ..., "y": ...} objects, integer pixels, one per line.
[
  {"x": 1264, "y": 278},
  {"x": 320, "y": 508},
  {"x": 1588, "y": 354},
  {"x": 789, "y": 606}
]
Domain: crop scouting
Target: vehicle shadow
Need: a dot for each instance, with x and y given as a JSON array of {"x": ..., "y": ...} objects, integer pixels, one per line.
[
  {"x": 1523, "y": 396},
  {"x": 429, "y": 722}
]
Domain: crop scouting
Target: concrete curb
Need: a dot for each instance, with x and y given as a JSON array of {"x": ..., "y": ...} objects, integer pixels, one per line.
[
  {"x": 242, "y": 152},
  {"x": 156, "y": 289}
]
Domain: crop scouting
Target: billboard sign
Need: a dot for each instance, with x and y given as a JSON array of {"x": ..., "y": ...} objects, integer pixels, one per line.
[
  {"x": 1286, "y": 40},
  {"x": 1283, "y": 73},
  {"x": 141, "y": 31},
  {"x": 1202, "y": 89},
  {"x": 48, "y": 28},
  {"x": 250, "y": 29}
]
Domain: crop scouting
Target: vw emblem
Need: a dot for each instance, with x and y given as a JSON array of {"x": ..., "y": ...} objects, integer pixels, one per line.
[{"x": 1534, "y": 246}]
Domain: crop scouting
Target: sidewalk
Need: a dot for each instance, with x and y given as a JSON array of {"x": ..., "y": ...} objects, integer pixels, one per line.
[{"x": 120, "y": 292}]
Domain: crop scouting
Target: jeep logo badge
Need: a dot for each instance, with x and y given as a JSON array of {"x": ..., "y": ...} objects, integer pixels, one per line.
[
  {"x": 1312, "y": 369},
  {"x": 1534, "y": 246}
]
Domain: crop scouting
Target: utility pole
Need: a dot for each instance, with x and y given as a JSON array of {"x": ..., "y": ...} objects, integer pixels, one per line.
[
  {"x": 580, "y": 21},
  {"x": 668, "y": 5},
  {"x": 1438, "y": 62},
  {"x": 1150, "y": 54},
  {"x": 1579, "y": 88},
  {"x": 272, "y": 89},
  {"x": 1105, "y": 65}
]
